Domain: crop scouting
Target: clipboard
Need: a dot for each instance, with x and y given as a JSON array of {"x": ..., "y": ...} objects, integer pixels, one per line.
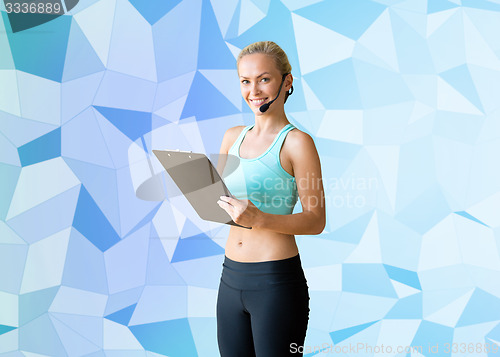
[{"x": 196, "y": 177}]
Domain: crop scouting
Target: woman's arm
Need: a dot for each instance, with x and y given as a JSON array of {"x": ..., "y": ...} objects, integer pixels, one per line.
[
  {"x": 307, "y": 170},
  {"x": 228, "y": 140},
  {"x": 297, "y": 224}
]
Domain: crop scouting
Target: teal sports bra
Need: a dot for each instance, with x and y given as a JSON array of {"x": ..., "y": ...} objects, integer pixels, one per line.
[{"x": 261, "y": 180}]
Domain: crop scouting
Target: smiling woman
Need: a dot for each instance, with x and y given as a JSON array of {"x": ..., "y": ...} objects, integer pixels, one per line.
[
  {"x": 273, "y": 52},
  {"x": 263, "y": 300}
]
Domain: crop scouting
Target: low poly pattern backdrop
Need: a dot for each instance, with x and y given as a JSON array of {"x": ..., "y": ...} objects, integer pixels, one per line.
[{"x": 100, "y": 254}]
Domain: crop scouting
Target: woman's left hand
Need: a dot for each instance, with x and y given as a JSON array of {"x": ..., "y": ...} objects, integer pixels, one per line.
[{"x": 243, "y": 212}]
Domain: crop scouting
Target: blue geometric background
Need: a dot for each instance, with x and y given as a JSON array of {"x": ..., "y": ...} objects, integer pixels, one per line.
[{"x": 401, "y": 98}]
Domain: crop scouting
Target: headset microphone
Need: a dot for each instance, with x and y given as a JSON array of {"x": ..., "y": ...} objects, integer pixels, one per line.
[{"x": 264, "y": 107}]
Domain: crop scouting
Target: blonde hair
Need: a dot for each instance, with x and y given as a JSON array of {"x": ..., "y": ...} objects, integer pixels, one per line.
[{"x": 274, "y": 51}]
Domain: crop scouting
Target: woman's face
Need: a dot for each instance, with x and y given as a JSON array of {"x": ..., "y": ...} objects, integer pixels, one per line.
[{"x": 260, "y": 80}]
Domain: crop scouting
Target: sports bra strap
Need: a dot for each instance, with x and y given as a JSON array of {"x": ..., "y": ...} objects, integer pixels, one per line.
[
  {"x": 277, "y": 145},
  {"x": 239, "y": 139}
]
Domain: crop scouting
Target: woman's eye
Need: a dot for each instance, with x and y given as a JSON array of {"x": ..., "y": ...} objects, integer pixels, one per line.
[
  {"x": 244, "y": 81},
  {"x": 265, "y": 79}
]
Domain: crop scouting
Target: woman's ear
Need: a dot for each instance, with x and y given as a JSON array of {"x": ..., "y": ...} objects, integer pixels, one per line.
[{"x": 288, "y": 81}]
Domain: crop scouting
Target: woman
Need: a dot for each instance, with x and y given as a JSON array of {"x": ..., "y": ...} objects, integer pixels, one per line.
[{"x": 263, "y": 300}]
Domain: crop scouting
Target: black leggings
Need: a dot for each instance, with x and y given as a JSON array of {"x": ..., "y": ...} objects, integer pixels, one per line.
[{"x": 262, "y": 308}]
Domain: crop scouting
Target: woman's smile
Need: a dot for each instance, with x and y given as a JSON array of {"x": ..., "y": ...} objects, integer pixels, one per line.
[{"x": 258, "y": 101}]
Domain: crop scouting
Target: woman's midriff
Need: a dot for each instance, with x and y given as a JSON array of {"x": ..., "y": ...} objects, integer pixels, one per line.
[{"x": 257, "y": 245}]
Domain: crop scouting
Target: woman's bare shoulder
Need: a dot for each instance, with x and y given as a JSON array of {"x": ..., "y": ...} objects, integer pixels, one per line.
[
  {"x": 230, "y": 137},
  {"x": 235, "y": 130},
  {"x": 297, "y": 145},
  {"x": 298, "y": 139}
]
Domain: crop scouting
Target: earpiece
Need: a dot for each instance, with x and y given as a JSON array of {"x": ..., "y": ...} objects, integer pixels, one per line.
[{"x": 264, "y": 107}]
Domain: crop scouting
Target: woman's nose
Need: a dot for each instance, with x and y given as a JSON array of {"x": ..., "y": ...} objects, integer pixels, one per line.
[{"x": 255, "y": 89}]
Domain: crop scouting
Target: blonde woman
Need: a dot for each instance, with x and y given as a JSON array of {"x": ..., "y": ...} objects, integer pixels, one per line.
[{"x": 263, "y": 299}]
